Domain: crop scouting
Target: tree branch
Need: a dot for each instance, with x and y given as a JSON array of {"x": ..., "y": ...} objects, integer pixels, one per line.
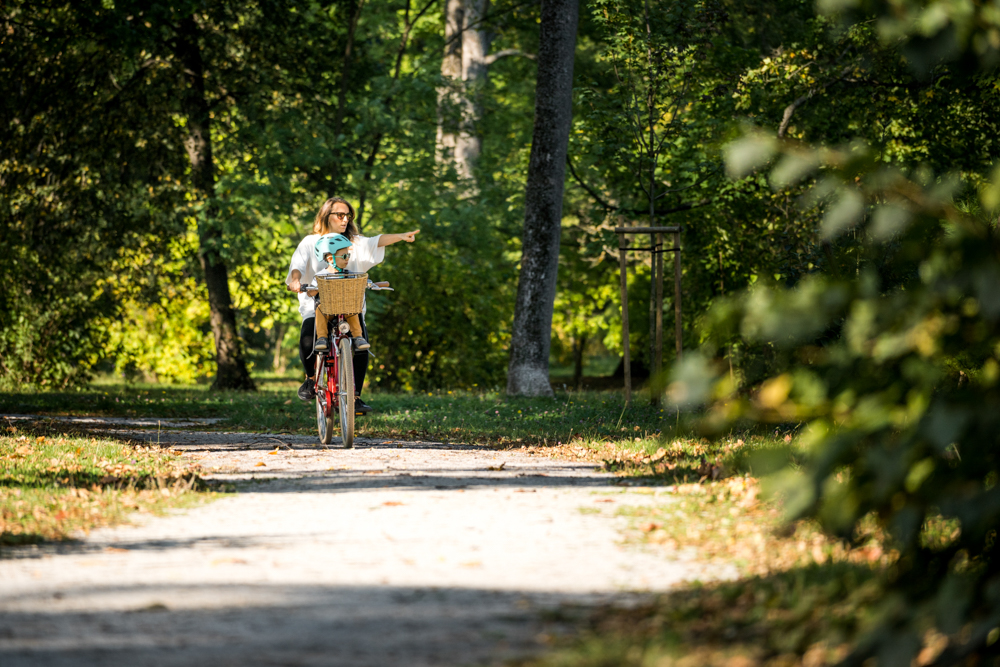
[
  {"x": 786, "y": 118},
  {"x": 493, "y": 57},
  {"x": 634, "y": 211}
]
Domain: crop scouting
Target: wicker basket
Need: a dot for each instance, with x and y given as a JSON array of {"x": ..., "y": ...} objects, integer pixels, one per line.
[{"x": 342, "y": 294}]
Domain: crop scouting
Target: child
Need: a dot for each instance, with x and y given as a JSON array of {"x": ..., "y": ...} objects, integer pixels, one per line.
[{"x": 332, "y": 253}]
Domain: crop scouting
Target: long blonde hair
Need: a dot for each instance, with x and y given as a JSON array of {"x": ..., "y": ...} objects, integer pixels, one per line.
[{"x": 322, "y": 223}]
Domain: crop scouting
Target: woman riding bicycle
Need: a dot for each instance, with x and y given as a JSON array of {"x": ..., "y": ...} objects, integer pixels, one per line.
[{"x": 335, "y": 216}]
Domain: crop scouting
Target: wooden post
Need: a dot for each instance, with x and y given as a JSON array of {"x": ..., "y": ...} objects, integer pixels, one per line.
[
  {"x": 652, "y": 311},
  {"x": 678, "y": 329},
  {"x": 623, "y": 266},
  {"x": 654, "y": 396}
]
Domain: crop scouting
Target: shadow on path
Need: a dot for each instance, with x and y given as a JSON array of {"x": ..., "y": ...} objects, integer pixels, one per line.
[{"x": 264, "y": 624}]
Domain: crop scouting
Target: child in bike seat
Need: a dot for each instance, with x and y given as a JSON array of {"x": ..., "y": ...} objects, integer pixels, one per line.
[{"x": 332, "y": 252}]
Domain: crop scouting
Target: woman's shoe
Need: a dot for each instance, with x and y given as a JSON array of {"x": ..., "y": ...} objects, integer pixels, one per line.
[
  {"x": 360, "y": 407},
  {"x": 307, "y": 391},
  {"x": 361, "y": 344},
  {"x": 322, "y": 345}
]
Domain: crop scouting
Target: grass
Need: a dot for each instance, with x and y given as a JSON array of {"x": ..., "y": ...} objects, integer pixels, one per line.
[
  {"x": 803, "y": 599},
  {"x": 61, "y": 484},
  {"x": 54, "y": 485},
  {"x": 804, "y": 617},
  {"x": 594, "y": 424}
]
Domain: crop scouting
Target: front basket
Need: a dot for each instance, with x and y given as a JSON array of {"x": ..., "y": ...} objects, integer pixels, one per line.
[{"x": 342, "y": 294}]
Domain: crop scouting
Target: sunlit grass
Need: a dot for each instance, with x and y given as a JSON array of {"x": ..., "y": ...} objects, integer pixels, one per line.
[
  {"x": 640, "y": 440},
  {"x": 54, "y": 485}
]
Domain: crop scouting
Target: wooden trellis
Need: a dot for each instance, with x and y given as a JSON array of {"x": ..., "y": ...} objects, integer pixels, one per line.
[{"x": 657, "y": 250}]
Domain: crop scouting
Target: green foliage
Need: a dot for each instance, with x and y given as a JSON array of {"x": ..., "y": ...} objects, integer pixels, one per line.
[
  {"x": 447, "y": 323},
  {"x": 100, "y": 158},
  {"x": 890, "y": 358}
]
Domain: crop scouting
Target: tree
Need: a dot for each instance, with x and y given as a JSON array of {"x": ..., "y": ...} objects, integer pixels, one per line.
[
  {"x": 465, "y": 66},
  {"x": 888, "y": 355},
  {"x": 528, "y": 370},
  {"x": 231, "y": 369}
]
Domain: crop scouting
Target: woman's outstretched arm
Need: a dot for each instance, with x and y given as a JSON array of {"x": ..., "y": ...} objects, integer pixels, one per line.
[{"x": 389, "y": 239}]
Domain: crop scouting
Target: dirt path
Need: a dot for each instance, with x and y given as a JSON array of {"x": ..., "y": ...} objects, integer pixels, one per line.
[{"x": 415, "y": 553}]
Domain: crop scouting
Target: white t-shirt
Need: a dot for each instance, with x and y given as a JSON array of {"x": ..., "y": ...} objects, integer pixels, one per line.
[{"x": 365, "y": 254}]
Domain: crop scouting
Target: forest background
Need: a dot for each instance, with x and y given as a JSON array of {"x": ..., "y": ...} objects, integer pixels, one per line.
[
  {"x": 112, "y": 229},
  {"x": 831, "y": 165}
]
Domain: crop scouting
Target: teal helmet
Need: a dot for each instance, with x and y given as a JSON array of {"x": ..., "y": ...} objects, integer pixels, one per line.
[{"x": 330, "y": 243}]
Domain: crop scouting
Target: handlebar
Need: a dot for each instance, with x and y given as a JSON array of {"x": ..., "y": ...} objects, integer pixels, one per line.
[{"x": 376, "y": 287}]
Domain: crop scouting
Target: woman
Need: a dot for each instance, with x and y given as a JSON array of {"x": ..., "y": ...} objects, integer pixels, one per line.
[{"x": 336, "y": 216}]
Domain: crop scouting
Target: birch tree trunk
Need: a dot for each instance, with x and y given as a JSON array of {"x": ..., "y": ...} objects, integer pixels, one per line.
[
  {"x": 528, "y": 372},
  {"x": 231, "y": 372},
  {"x": 475, "y": 48},
  {"x": 466, "y": 64},
  {"x": 451, "y": 69}
]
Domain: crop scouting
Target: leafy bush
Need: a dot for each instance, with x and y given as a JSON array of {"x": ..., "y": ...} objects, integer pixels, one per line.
[{"x": 895, "y": 372}]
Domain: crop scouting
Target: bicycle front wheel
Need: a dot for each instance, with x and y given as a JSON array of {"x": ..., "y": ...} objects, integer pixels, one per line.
[
  {"x": 345, "y": 388},
  {"x": 324, "y": 402}
]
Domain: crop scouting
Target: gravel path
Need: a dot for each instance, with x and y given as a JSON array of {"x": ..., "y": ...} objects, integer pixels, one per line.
[{"x": 393, "y": 553}]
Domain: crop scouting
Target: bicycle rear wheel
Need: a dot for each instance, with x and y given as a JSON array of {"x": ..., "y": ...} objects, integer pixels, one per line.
[
  {"x": 345, "y": 388},
  {"x": 324, "y": 402}
]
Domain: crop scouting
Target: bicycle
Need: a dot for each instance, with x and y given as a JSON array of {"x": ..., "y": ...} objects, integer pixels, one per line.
[{"x": 339, "y": 295}]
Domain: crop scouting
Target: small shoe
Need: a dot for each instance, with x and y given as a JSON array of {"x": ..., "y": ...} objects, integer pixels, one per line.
[
  {"x": 307, "y": 391},
  {"x": 322, "y": 345},
  {"x": 360, "y": 407},
  {"x": 361, "y": 344}
]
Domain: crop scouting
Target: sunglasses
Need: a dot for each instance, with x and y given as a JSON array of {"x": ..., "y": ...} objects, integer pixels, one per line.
[{"x": 342, "y": 216}]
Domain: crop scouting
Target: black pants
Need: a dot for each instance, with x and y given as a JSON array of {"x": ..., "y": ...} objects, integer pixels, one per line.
[{"x": 308, "y": 357}]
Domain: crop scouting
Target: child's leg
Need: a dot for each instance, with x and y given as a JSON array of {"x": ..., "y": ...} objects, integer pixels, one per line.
[
  {"x": 355, "y": 324},
  {"x": 322, "y": 325}
]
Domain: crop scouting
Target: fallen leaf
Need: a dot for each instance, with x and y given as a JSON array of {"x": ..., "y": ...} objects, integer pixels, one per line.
[
  {"x": 499, "y": 467},
  {"x": 288, "y": 402},
  {"x": 115, "y": 550},
  {"x": 650, "y": 527},
  {"x": 276, "y": 450},
  {"x": 472, "y": 563},
  {"x": 392, "y": 503},
  {"x": 604, "y": 500},
  {"x": 259, "y": 464}
]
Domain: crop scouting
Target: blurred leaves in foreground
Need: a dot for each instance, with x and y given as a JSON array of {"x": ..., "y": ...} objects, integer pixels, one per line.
[{"x": 890, "y": 359}]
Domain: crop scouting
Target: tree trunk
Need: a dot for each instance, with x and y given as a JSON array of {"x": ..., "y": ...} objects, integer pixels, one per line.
[
  {"x": 231, "y": 370},
  {"x": 579, "y": 347},
  {"x": 466, "y": 64},
  {"x": 278, "y": 365},
  {"x": 451, "y": 69},
  {"x": 528, "y": 372},
  {"x": 475, "y": 46}
]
